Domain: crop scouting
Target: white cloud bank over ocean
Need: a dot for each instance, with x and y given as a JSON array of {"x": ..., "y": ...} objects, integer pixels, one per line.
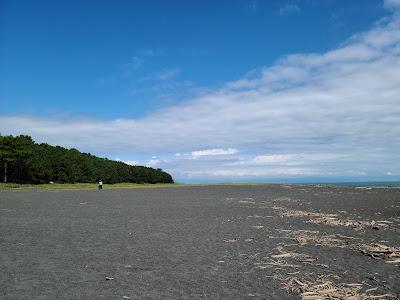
[{"x": 312, "y": 115}]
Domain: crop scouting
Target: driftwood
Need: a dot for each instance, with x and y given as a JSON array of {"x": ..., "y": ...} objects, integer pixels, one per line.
[{"x": 234, "y": 240}]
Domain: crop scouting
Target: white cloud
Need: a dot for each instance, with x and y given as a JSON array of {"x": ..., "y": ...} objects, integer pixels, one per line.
[
  {"x": 331, "y": 112},
  {"x": 128, "y": 162},
  {"x": 213, "y": 152},
  {"x": 290, "y": 159},
  {"x": 272, "y": 172},
  {"x": 360, "y": 173},
  {"x": 266, "y": 159},
  {"x": 131, "y": 162},
  {"x": 153, "y": 163}
]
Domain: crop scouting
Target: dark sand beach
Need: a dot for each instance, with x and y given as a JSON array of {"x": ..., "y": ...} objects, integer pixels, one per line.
[{"x": 205, "y": 242}]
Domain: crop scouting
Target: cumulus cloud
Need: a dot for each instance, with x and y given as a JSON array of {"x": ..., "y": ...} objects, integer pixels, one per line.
[{"x": 343, "y": 103}]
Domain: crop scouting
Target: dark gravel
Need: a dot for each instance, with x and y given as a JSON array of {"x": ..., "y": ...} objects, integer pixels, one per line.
[{"x": 179, "y": 243}]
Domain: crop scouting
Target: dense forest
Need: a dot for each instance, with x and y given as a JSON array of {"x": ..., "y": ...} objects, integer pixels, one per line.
[{"x": 24, "y": 161}]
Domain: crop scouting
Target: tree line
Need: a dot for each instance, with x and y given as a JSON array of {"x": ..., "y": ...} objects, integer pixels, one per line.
[{"x": 24, "y": 161}]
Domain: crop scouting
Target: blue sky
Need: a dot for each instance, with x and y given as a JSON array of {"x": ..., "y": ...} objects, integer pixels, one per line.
[{"x": 209, "y": 90}]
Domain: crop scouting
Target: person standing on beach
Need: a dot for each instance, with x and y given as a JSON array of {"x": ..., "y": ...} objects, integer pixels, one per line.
[{"x": 100, "y": 184}]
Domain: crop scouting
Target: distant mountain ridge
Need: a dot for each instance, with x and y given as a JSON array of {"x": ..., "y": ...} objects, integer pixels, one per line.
[{"x": 24, "y": 161}]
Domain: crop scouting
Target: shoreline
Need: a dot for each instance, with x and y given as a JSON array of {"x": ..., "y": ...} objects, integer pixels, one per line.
[{"x": 91, "y": 186}]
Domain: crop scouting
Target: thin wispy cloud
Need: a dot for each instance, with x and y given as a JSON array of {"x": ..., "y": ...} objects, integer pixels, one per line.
[
  {"x": 335, "y": 113},
  {"x": 152, "y": 52},
  {"x": 167, "y": 74},
  {"x": 289, "y": 9},
  {"x": 252, "y": 5},
  {"x": 213, "y": 152},
  {"x": 139, "y": 59},
  {"x": 160, "y": 87},
  {"x": 392, "y": 3},
  {"x": 134, "y": 63},
  {"x": 267, "y": 159},
  {"x": 271, "y": 172}
]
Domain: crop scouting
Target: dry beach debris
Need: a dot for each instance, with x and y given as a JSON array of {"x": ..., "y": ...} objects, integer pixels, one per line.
[
  {"x": 381, "y": 251},
  {"x": 375, "y": 250},
  {"x": 285, "y": 212},
  {"x": 314, "y": 237},
  {"x": 317, "y": 282},
  {"x": 326, "y": 289},
  {"x": 358, "y": 225},
  {"x": 284, "y": 254},
  {"x": 330, "y": 219}
]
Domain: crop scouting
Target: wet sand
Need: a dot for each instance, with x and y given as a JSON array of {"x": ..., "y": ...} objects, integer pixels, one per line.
[{"x": 208, "y": 242}]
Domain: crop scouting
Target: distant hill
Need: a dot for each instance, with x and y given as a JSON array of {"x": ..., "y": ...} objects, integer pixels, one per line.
[{"x": 24, "y": 161}]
